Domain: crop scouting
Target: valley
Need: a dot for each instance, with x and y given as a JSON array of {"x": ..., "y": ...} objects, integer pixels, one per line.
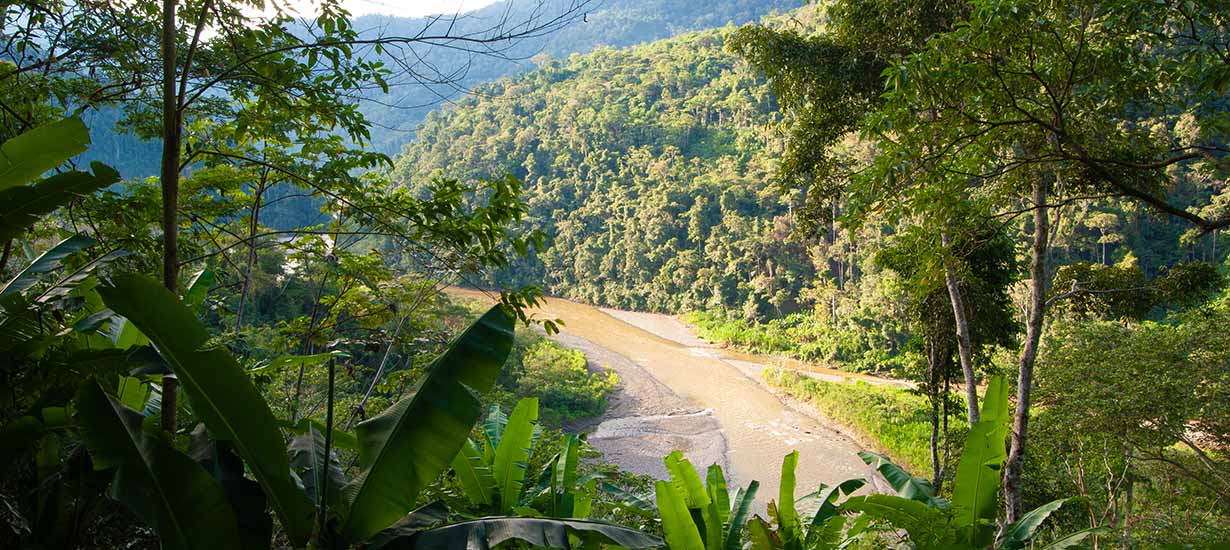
[{"x": 680, "y": 392}]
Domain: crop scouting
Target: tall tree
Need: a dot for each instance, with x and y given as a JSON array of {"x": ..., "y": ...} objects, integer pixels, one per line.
[
  {"x": 1041, "y": 104},
  {"x": 829, "y": 83}
]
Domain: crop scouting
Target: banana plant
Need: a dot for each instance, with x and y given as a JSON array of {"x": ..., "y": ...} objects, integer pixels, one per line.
[
  {"x": 701, "y": 516},
  {"x": 493, "y": 478},
  {"x": 492, "y": 472},
  {"x": 787, "y": 530},
  {"x": 24, "y": 197},
  {"x": 967, "y": 521},
  {"x": 217, "y": 495}
]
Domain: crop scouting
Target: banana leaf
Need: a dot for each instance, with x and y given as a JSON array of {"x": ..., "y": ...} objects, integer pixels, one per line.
[
  {"x": 173, "y": 494},
  {"x": 411, "y": 443},
  {"x": 221, "y": 393}
]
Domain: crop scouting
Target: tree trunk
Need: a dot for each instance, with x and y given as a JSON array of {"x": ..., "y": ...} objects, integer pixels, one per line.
[
  {"x": 171, "y": 124},
  {"x": 964, "y": 342},
  {"x": 933, "y": 393},
  {"x": 1029, "y": 353},
  {"x": 253, "y": 226}
]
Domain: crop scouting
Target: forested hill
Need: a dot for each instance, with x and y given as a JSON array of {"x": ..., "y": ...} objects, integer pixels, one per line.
[
  {"x": 650, "y": 166},
  {"x": 394, "y": 116}
]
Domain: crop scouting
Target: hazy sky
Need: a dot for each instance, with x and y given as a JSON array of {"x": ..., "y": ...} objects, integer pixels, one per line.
[{"x": 407, "y": 8}]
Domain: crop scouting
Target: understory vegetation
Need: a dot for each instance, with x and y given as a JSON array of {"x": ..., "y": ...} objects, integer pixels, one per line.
[{"x": 559, "y": 377}]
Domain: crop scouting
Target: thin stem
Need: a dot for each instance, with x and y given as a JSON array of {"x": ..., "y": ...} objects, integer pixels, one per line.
[{"x": 323, "y": 482}]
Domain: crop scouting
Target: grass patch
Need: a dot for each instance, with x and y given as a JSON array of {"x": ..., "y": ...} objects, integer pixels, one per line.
[
  {"x": 892, "y": 419},
  {"x": 855, "y": 344}
]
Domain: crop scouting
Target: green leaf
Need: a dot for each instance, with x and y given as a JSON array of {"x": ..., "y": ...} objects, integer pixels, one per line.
[
  {"x": 1076, "y": 538},
  {"x": 975, "y": 492},
  {"x": 828, "y": 509},
  {"x": 307, "y": 456},
  {"x": 762, "y": 535},
  {"x": 246, "y": 497},
  {"x": 164, "y": 487},
  {"x": 198, "y": 289},
  {"x": 411, "y": 443},
  {"x": 906, "y": 485},
  {"x": 421, "y": 519},
  {"x": 715, "y": 484},
  {"x": 925, "y": 524},
  {"x": 788, "y": 527},
  {"x": 513, "y": 453},
  {"x": 49, "y": 261},
  {"x": 686, "y": 481},
  {"x": 681, "y": 532},
  {"x": 1016, "y": 535},
  {"x": 743, "y": 506},
  {"x": 474, "y": 475},
  {"x": 22, "y": 206},
  {"x": 220, "y": 391},
  {"x": 487, "y": 533},
  {"x": 70, "y": 282},
  {"x": 493, "y": 428},
  {"x": 31, "y": 154},
  {"x": 715, "y": 513},
  {"x": 564, "y": 478},
  {"x": 132, "y": 392}
]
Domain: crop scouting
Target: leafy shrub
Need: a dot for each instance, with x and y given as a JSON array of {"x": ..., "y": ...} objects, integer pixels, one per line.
[
  {"x": 858, "y": 343},
  {"x": 560, "y": 378}
]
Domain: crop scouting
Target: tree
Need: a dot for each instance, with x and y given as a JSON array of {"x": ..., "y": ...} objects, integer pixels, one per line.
[
  {"x": 232, "y": 76},
  {"x": 1041, "y": 105},
  {"x": 989, "y": 269},
  {"x": 829, "y": 83}
]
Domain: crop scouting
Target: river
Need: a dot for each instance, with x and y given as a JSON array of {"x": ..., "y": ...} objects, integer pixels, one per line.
[{"x": 680, "y": 392}]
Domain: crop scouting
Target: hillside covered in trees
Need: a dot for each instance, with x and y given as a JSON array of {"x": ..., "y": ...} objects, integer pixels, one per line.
[
  {"x": 650, "y": 168},
  {"x": 655, "y": 171}
]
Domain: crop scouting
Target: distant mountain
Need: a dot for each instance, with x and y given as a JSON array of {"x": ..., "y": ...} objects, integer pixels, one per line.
[{"x": 616, "y": 23}]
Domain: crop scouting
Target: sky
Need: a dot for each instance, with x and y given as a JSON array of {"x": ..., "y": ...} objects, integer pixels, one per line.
[{"x": 404, "y": 8}]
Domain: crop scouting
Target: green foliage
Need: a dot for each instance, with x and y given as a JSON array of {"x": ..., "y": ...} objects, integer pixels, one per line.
[
  {"x": 560, "y": 378},
  {"x": 512, "y": 453},
  {"x": 412, "y": 442},
  {"x": 1121, "y": 291},
  {"x": 222, "y": 395},
  {"x": 487, "y": 533},
  {"x": 1134, "y": 419},
  {"x": 825, "y": 530},
  {"x": 22, "y": 205},
  {"x": 648, "y": 167},
  {"x": 968, "y": 520},
  {"x": 861, "y": 342},
  {"x": 700, "y": 515},
  {"x": 33, "y": 153}
]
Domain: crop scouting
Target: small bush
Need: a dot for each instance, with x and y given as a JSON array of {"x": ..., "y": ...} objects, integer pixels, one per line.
[{"x": 560, "y": 378}]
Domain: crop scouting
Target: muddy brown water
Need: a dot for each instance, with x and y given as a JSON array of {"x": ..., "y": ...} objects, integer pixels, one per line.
[{"x": 679, "y": 392}]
